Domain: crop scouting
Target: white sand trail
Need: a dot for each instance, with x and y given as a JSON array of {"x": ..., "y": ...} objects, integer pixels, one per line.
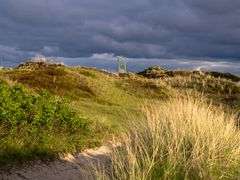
[{"x": 69, "y": 167}]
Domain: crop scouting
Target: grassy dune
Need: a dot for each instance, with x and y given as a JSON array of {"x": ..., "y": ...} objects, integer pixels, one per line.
[
  {"x": 99, "y": 95},
  {"x": 43, "y": 103},
  {"x": 185, "y": 137}
]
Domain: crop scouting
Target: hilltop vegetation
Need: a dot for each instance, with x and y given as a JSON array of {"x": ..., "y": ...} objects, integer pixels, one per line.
[
  {"x": 78, "y": 107},
  {"x": 158, "y": 72},
  {"x": 223, "y": 89}
]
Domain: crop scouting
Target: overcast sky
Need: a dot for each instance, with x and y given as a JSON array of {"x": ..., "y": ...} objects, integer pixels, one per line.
[{"x": 181, "y": 34}]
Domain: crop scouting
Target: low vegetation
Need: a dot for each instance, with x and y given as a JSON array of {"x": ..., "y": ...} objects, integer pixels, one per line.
[
  {"x": 38, "y": 125},
  {"x": 183, "y": 138},
  {"x": 48, "y": 108},
  {"x": 158, "y": 72}
]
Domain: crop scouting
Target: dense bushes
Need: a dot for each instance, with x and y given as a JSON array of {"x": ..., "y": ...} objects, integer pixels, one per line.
[{"x": 38, "y": 125}]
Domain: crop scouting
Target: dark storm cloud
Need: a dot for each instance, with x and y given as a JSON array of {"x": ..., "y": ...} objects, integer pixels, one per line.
[{"x": 186, "y": 29}]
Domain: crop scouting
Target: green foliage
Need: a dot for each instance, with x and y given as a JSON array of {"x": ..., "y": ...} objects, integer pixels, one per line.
[{"x": 38, "y": 125}]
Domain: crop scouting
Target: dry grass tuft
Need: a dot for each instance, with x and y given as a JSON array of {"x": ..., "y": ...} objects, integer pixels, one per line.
[{"x": 179, "y": 139}]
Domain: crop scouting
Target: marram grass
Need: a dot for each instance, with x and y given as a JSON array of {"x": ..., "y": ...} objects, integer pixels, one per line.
[{"x": 183, "y": 138}]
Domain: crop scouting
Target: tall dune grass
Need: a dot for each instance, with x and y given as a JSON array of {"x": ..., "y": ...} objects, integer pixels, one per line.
[{"x": 184, "y": 138}]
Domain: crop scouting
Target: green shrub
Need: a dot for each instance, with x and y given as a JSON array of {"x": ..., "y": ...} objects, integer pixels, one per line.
[{"x": 38, "y": 125}]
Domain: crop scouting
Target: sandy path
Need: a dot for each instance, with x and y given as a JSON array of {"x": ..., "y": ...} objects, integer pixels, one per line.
[{"x": 70, "y": 167}]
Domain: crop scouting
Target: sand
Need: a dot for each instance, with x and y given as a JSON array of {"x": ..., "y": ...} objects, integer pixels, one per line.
[{"x": 68, "y": 167}]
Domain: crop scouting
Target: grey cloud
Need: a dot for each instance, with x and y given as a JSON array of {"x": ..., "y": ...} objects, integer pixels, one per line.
[
  {"x": 187, "y": 29},
  {"x": 8, "y": 56}
]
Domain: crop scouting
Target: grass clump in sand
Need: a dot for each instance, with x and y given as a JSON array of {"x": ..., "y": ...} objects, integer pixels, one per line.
[{"x": 183, "y": 138}]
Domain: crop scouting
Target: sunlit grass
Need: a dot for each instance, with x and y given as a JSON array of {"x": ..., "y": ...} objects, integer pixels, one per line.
[
  {"x": 183, "y": 138},
  {"x": 113, "y": 104}
]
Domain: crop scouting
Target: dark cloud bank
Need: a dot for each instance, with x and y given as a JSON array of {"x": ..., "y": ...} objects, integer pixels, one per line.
[{"x": 181, "y": 34}]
